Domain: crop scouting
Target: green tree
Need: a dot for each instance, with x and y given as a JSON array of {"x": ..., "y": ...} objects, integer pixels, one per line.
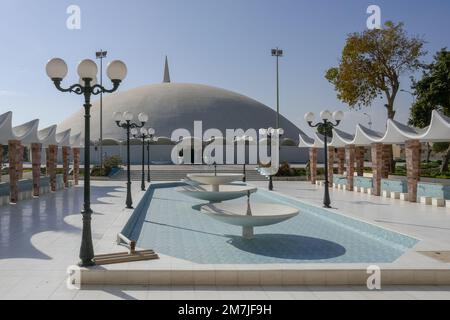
[
  {"x": 433, "y": 93},
  {"x": 372, "y": 63}
]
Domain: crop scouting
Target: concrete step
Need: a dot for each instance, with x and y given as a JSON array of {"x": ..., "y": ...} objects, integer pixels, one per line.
[{"x": 176, "y": 175}]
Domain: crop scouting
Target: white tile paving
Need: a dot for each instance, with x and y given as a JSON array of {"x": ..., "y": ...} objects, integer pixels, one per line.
[{"x": 40, "y": 238}]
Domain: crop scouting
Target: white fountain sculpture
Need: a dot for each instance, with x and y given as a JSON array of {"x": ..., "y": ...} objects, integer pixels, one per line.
[
  {"x": 249, "y": 216},
  {"x": 215, "y": 187}
]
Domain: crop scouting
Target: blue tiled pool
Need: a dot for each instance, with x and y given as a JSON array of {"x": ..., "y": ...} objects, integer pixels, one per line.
[{"x": 171, "y": 224}]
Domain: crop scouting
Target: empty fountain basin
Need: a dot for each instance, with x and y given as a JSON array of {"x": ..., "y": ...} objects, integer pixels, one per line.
[
  {"x": 209, "y": 193},
  {"x": 262, "y": 214},
  {"x": 219, "y": 179}
]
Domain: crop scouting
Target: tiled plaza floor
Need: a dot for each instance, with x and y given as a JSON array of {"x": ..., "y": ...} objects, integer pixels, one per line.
[{"x": 40, "y": 238}]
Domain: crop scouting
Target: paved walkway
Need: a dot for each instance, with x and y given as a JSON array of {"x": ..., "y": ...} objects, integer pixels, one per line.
[{"x": 40, "y": 238}]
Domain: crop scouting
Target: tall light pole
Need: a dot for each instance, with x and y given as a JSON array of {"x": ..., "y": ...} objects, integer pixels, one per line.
[
  {"x": 325, "y": 128},
  {"x": 87, "y": 70},
  {"x": 278, "y": 53},
  {"x": 101, "y": 55},
  {"x": 123, "y": 120}
]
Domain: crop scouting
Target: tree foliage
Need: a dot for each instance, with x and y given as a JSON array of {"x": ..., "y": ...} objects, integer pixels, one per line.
[
  {"x": 433, "y": 93},
  {"x": 372, "y": 63},
  {"x": 432, "y": 90}
]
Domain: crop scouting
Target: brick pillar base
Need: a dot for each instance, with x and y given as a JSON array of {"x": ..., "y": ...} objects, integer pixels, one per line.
[
  {"x": 52, "y": 152},
  {"x": 413, "y": 158},
  {"x": 359, "y": 157},
  {"x": 350, "y": 166},
  {"x": 313, "y": 164},
  {"x": 36, "y": 164},
  {"x": 76, "y": 165},
  {"x": 341, "y": 160},
  {"x": 377, "y": 167},
  {"x": 387, "y": 159},
  {"x": 14, "y": 149},
  {"x": 330, "y": 164},
  {"x": 66, "y": 152}
]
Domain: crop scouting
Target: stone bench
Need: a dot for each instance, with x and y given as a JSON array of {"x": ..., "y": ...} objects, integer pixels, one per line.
[
  {"x": 435, "y": 202},
  {"x": 340, "y": 182},
  {"x": 426, "y": 200},
  {"x": 393, "y": 188},
  {"x": 438, "y": 191},
  {"x": 361, "y": 184},
  {"x": 395, "y": 195},
  {"x": 438, "y": 202}
]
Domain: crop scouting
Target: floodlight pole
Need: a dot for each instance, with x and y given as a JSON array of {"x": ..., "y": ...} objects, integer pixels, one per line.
[
  {"x": 100, "y": 55},
  {"x": 276, "y": 53}
]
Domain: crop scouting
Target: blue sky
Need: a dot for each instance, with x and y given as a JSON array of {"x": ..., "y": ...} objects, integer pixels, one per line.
[{"x": 223, "y": 43}]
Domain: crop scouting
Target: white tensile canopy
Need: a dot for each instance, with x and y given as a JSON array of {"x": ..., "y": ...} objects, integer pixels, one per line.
[
  {"x": 29, "y": 133},
  {"x": 396, "y": 133}
]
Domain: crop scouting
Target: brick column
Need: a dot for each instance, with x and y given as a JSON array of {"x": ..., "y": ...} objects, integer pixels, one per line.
[
  {"x": 52, "y": 153},
  {"x": 359, "y": 156},
  {"x": 14, "y": 148},
  {"x": 341, "y": 160},
  {"x": 313, "y": 164},
  {"x": 1, "y": 161},
  {"x": 47, "y": 157},
  {"x": 377, "y": 167},
  {"x": 387, "y": 154},
  {"x": 66, "y": 152},
  {"x": 36, "y": 165},
  {"x": 413, "y": 158},
  {"x": 76, "y": 165},
  {"x": 350, "y": 166},
  {"x": 20, "y": 163},
  {"x": 330, "y": 164}
]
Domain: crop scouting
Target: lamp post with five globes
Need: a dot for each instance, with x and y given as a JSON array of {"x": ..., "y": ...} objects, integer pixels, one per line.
[
  {"x": 325, "y": 128},
  {"x": 123, "y": 120},
  {"x": 87, "y": 70},
  {"x": 143, "y": 134}
]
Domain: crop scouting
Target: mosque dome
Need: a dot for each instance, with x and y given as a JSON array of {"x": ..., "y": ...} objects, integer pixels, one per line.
[{"x": 172, "y": 106}]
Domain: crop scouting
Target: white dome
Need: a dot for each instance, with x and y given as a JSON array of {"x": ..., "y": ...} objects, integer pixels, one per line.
[{"x": 177, "y": 105}]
